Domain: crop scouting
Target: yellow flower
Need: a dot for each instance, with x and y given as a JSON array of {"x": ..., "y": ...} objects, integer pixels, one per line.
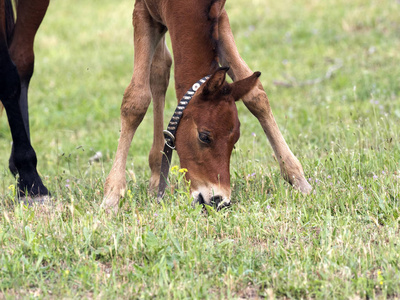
[
  {"x": 12, "y": 189},
  {"x": 183, "y": 170},
  {"x": 174, "y": 168},
  {"x": 381, "y": 282}
]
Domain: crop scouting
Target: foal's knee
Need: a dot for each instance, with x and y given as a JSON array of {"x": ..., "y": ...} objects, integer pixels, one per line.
[
  {"x": 135, "y": 103},
  {"x": 257, "y": 101}
]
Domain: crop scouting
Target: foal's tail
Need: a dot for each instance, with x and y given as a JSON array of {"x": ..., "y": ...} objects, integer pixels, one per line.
[{"x": 9, "y": 9}]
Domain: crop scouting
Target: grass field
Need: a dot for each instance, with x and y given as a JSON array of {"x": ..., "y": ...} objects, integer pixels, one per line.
[{"x": 331, "y": 70}]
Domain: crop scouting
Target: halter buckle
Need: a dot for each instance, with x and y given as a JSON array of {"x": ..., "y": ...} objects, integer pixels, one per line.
[{"x": 169, "y": 139}]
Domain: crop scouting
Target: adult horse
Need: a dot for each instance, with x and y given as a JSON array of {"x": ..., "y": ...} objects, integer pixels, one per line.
[
  {"x": 208, "y": 127},
  {"x": 16, "y": 69}
]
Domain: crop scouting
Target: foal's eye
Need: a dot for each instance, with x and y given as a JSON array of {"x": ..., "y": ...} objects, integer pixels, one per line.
[{"x": 204, "y": 137}]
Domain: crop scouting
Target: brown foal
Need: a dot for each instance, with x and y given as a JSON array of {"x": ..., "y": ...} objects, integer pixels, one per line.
[
  {"x": 209, "y": 127},
  {"x": 201, "y": 40}
]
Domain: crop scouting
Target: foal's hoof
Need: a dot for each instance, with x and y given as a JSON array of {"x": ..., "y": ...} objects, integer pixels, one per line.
[
  {"x": 110, "y": 203},
  {"x": 302, "y": 185}
]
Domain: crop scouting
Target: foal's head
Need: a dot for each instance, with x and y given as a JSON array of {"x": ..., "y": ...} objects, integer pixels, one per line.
[{"x": 207, "y": 132}]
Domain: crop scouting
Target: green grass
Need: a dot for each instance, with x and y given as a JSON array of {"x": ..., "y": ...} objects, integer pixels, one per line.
[{"x": 342, "y": 241}]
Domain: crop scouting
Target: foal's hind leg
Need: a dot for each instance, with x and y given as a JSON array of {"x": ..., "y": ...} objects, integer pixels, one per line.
[
  {"x": 136, "y": 100},
  {"x": 257, "y": 102},
  {"x": 159, "y": 79}
]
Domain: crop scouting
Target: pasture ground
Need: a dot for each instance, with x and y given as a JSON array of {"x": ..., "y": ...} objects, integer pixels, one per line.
[{"x": 331, "y": 70}]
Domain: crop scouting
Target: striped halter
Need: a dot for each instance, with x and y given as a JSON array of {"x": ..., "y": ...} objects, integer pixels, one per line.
[{"x": 169, "y": 136}]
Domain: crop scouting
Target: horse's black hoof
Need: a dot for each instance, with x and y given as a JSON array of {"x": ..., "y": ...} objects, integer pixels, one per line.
[{"x": 36, "y": 200}]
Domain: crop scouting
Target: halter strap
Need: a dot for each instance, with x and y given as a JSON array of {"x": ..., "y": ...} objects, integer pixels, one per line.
[{"x": 169, "y": 136}]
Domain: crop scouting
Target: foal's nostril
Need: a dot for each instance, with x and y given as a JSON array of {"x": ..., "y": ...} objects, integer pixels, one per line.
[
  {"x": 200, "y": 199},
  {"x": 219, "y": 202},
  {"x": 215, "y": 200}
]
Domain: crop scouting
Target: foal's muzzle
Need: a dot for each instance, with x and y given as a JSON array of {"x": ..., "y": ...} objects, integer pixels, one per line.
[{"x": 216, "y": 201}]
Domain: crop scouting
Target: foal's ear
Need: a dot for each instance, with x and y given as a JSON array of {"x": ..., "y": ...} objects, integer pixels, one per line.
[
  {"x": 216, "y": 81},
  {"x": 242, "y": 87}
]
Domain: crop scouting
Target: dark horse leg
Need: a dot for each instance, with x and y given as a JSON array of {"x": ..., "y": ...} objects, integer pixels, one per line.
[{"x": 16, "y": 69}]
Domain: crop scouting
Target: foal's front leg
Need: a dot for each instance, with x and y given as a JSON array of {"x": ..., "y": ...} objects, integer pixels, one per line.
[
  {"x": 159, "y": 79},
  {"x": 136, "y": 100},
  {"x": 257, "y": 102}
]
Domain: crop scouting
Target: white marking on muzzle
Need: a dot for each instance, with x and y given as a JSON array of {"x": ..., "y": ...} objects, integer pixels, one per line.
[{"x": 204, "y": 195}]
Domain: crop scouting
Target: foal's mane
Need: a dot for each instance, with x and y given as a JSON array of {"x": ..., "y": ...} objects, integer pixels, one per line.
[{"x": 213, "y": 12}]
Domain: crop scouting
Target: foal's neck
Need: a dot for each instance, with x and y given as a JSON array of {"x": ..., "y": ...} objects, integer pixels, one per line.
[
  {"x": 192, "y": 62},
  {"x": 194, "y": 38}
]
